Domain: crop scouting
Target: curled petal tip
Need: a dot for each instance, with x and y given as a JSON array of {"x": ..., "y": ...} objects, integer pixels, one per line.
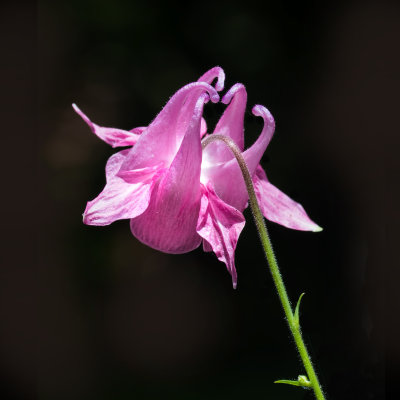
[
  {"x": 221, "y": 78},
  {"x": 199, "y": 106},
  {"x": 215, "y": 97},
  {"x": 318, "y": 229},
  {"x": 210, "y": 75},
  {"x": 231, "y": 92},
  {"x": 261, "y": 111}
]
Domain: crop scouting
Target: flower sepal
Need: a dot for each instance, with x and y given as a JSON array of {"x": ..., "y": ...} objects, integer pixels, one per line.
[{"x": 302, "y": 381}]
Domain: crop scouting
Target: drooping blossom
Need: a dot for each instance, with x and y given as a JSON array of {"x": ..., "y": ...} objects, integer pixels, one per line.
[{"x": 177, "y": 196}]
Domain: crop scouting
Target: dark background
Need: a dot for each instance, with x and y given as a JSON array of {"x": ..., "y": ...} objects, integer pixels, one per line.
[{"x": 91, "y": 313}]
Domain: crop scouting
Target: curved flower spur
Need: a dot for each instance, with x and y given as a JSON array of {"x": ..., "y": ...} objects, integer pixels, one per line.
[{"x": 178, "y": 191}]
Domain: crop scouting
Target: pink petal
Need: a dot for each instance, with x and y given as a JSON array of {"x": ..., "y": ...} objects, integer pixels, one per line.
[
  {"x": 278, "y": 207},
  {"x": 210, "y": 75},
  {"x": 169, "y": 223},
  {"x": 232, "y": 120},
  {"x": 163, "y": 137},
  {"x": 206, "y": 246},
  {"x": 227, "y": 181},
  {"x": 220, "y": 225},
  {"x": 112, "y": 136},
  {"x": 140, "y": 174},
  {"x": 203, "y": 127},
  {"x": 253, "y": 154},
  {"x": 226, "y": 174},
  {"x": 230, "y": 124},
  {"x": 138, "y": 130},
  {"x": 119, "y": 199}
]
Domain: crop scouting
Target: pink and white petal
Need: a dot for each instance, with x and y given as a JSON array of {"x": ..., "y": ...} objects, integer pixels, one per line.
[
  {"x": 203, "y": 127},
  {"x": 227, "y": 181},
  {"x": 113, "y": 136},
  {"x": 139, "y": 130},
  {"x": 278, "y": 207},
  {"x": 114, "y": 163},
  {"x": 220, "y": 225},
  {"x": 163, "y": 137},
  {"x": 169, "y": 223},
  {"x": 230, "y": 124},
  {"x": 210, "y": 75},
  {"x": 140, "y": 174},
  {"x": 119, "y": 199},
  {"x": 226, "y": 174},
  {"x": 254, "y": 153}
]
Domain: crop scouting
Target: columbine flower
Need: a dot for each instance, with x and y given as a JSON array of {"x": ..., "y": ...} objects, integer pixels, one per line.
[{"x": 176, "y": 196}]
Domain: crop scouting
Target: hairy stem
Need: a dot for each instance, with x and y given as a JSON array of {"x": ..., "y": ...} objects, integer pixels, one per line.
[{"x": 273, "y": 265}]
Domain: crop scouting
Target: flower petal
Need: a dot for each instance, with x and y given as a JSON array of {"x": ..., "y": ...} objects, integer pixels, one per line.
[
  {"x": 203, "y": 127},
  {"x": 230, "y": 124},
  {"x": 163, "y": 137},
  {"x": 206, "y": 246},
  {"x": 254, "y": 153},
  {"x": 227, "y": 173},
  {"x": 113, "y": 136},
  {"x": 220, "y": 225},
  {"x": 140, "y": 174},
  {"x": 169, "y": 223},
  {"x": 138, "y": 130},
  {"x": 119, "y": 199},
  {"x": 210, "y": 75},
  {"x": 278, "y": 207},
  {"x": 232, "y": 120}
]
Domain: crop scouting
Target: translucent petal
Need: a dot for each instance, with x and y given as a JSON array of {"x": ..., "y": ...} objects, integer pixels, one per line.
[
  {"x": 169, "y": 223},
  {"x": 163, "y": 137},
  {"x": 119, "y": 199},
  {"x": 278, "y": 207},
  {"x": 113, "y": 136},
  {"x": 220, "y": 225}
]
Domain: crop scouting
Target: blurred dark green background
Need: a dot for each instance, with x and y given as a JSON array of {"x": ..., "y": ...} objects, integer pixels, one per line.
[{"x": 97, "y": 315}]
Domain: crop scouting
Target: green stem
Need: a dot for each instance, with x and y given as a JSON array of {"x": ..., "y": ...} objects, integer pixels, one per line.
[{"x": 273, "y": 265}]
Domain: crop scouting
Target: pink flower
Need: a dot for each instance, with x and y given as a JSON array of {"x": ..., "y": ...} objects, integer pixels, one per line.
[{"x": 177, "y": 196}]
